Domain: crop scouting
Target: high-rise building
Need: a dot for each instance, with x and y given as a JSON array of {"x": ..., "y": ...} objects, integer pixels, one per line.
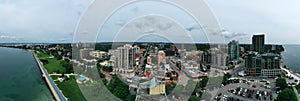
[
  {"x": 161, "y": 56},
  {"x": 265, "y": 65},
  {"x": 258, "y": 43},
  {"x": 125, "y": 58},
  {"x": 233, "y": 50},
  {"x": 251, "y": 64},
  {"x": 216, "y": 57}
]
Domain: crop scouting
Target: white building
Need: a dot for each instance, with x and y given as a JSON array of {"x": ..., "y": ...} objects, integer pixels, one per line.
[
  {"x": 125, "y": 58},
  {"x": 217, "y": 57}
]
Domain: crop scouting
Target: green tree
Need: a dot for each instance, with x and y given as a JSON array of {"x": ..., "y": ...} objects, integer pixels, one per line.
[
  {"x": 169, "y": 88},
  {"x": 118, "y": 88},
  {"x": 107, "y": 68},
  {"x": 225, "y": 78},
  {"x": 287, "y": 95},
  {"x": 130, "y": 98},
  {"x": 194, "y": 98},
  {"x": 281, "y": 83}
]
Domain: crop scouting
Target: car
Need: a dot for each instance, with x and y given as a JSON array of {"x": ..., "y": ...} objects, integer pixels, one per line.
[
  {"x": 244, "y": 94},
  {"x": 234, "y": 91},
  {"x": 219, "y": 94},
  {"x": 268, "y": 93},
  {"x": 216, "y": 97},
  {"x": 271, "y": 97},
  {"x": 257, "y": 92},
  {"x": 246, "y": 90},
  {"x": 225, "y": 97}
]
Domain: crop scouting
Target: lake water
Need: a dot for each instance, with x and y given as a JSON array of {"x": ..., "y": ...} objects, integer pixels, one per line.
[
  {"x": 20, "y": 78},
  {"x": 292, "y": 56}
]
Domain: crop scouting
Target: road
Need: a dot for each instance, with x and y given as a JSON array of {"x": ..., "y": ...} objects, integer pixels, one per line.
[
  {"x": 237, "y": 69},
  {"x": 183, "y": 79},
  {"x": 139, "y": 69},
  {"x": 291, "y": 74},
  {"x": 296, "y": 92}
]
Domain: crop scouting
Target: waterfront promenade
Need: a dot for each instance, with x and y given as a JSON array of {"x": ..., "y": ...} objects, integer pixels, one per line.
[{"x": 56, "y": 92}]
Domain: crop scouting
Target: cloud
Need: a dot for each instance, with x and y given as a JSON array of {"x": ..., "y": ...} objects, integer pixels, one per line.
[
  {"x": 239, "y": 36},
  {"x": 193, "y": 26},
  {"x": 120, "y": 23},
  {"x": 228, "y": 34},
  {"x": 152, "y": 24},
  {"x": 33, "y": 20},
  {"x": 8, "y": 37},
  {"x": 135, "y": 9}
]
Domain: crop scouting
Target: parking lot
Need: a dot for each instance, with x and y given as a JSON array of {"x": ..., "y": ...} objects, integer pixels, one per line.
[{"x": 245, "y": 90}]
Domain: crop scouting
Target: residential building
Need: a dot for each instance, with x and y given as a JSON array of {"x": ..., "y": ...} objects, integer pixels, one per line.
[
  {"x": 233, "y": 50},
  {"x": 99, "y": 54},
  {"x": 217, "y": 57},
  {"x": 258, "y": 43},
  {"x": 161, "y": 57},
  {"x": 264, "y": 65},
  {"x": 125, "y": 58}
]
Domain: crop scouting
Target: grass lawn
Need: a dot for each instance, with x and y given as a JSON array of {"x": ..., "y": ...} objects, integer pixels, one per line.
[
  {"x": 70, "y": 89},
  {"x": 55, "y": 77},
  {"x": 206, "y": 96},
  {"x": 214, "y": 82},
  {"x": 53, "y": 65},
  {"x": 42, "y": 55}
]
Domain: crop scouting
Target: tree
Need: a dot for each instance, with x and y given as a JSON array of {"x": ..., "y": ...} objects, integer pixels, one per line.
[
  {"x": 169, "y": 88},
  {"x": 107, "y": 68},
  {"x": 118, "y": 88},
  {"x": 225, "y": 78},
  {"x": 194, "y": 98},
  {"x": 130, "y": 98},
  {"x": 281, "y": 83},
  {"x": 68, "y": 66},
  {"x": 208, "y": 66},
  {"x": 287, "y": 95}
]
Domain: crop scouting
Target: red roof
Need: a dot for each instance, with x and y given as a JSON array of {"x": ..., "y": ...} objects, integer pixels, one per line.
[
  {"x": 169, "y": 83},
  {"x": 148, "y": 75}
]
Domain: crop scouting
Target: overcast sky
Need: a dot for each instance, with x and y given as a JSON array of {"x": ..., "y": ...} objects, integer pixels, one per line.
[{"x": 56, "y": 20}]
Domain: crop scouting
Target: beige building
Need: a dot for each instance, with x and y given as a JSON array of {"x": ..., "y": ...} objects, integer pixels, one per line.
[
  {"x": 161, "y": 55},
  {"x": 156, "y": 87}
]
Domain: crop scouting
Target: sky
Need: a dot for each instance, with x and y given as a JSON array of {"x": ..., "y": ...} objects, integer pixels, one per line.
[{"x": 56, "y": 20}]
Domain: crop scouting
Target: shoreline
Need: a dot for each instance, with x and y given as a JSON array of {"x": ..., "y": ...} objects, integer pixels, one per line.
[{"x": 57, "y": 94}]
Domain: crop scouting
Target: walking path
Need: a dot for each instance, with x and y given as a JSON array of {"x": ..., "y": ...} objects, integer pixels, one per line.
[{"x": 53, "y": 88}]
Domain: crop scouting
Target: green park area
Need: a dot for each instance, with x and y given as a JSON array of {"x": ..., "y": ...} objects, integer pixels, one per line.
[
  {"x": 52, "y": 64},
  {"x": 70, "y": 89},
  {"x": 69, "y": 86}
]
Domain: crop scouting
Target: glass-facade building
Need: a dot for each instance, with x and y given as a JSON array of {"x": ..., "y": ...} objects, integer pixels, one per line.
[{"x": 233, "y": 50}]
